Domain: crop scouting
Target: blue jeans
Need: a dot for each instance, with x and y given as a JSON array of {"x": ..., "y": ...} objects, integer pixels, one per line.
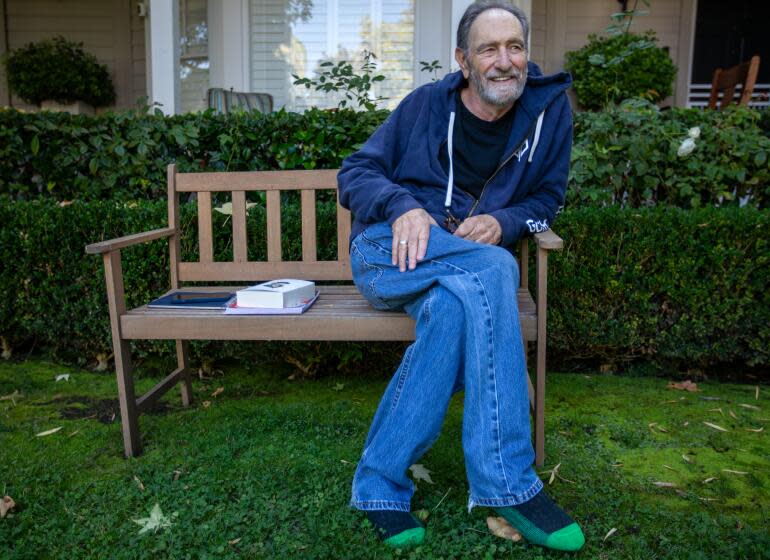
[{"x": 463, "y": 297}]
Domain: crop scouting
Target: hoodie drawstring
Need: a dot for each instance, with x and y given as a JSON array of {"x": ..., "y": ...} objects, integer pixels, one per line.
[
  {"x": 537, "y": 136},
  {"x": 451, "y": 181}
]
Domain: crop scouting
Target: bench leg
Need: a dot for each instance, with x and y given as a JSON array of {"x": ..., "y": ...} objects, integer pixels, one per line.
[
  {"x": 182, "y": 356},
  {"x": 540, "y": 404},
  {"x": 129, "y": 416}
]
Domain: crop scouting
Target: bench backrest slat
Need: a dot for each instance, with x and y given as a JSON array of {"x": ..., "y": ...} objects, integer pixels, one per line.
[
  {"x": 309, "y": 252},
  {"x": 205, "y": 236},
  {"x": 273, "y": 203},
  {"x": 271, "y": 183},
  {"x": 239, "y": 226}
]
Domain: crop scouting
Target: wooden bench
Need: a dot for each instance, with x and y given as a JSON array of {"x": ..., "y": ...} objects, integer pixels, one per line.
[{"x": 340, "y": 313}]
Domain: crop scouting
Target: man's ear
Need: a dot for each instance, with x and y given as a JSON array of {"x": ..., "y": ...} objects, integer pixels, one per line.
[{"x": 460, "y": 58}]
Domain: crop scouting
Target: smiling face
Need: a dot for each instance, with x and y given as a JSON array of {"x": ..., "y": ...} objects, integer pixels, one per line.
[{"x": 496, "y": 60}]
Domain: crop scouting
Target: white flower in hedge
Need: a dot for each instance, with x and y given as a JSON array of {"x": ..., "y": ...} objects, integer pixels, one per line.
[
  {"x": 686, "y": 147},
  {"x": 694, "y": 132}
]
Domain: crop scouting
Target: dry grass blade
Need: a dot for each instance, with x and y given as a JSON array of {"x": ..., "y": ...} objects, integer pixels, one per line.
[
  {"x": 49, "y": 432},
  {"x": 686, "y": 459},
  {"x": 442, "y": 499},
  {"x": 733, "y": 414},
  {"x": 609, "y": 533},
  {"x": 719, "y": 410},
  {"x": 755, "y": 429},
  {"x": 553, "y": 473},
  {"x": 715, "y": 426},
  {"x": 669, "y": 468},
  {"x": 665, "y": 484},
  {"x": 499, "y": 527},
  {"x": 750, "y": 406},
  {"x": 734, "y": 472},
  {"x": 708, "y": 499},
  {"x": 139, "y": 483},
  {"x": 756, "y": 393},
  {"x": 710, "y": 479},
  {"x": 234, "y": 541},
  {"x": 217, "y": 391}
]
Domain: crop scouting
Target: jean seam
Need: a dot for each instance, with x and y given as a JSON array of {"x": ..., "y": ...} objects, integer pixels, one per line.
[
  {"x": 524, "y": 497},
  {"x": 494, "y": 383},
  {"x": 379, "y": 272},
  {"x": 407, "y": 360},
  {"x": 368, "y": 505}
]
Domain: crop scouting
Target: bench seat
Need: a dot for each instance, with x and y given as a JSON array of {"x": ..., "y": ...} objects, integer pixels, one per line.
[{"x": 340, "y": 313}]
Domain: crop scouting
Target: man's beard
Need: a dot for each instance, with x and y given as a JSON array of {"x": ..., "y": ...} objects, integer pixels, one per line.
[{"x": 498, "y": 94}]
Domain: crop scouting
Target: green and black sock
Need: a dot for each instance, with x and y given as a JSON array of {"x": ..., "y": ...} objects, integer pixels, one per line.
[
  {"x": 398, "y": 529},
  {"x": 542, "y": 522}
]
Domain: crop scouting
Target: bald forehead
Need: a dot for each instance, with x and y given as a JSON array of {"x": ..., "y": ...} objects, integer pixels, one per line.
[{"x": 495, "y": 26}]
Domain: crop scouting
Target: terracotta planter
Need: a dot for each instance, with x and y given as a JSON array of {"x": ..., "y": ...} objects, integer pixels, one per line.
[{"x": 75, "y": 108}]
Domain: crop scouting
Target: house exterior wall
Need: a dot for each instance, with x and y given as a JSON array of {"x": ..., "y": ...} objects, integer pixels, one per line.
[
  {"x": 109, "y": 29},
  {"x": 560, "y": 26}
]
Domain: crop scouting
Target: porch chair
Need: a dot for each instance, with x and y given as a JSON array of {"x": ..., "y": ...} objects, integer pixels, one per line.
[{"x": 726, "y": 81}]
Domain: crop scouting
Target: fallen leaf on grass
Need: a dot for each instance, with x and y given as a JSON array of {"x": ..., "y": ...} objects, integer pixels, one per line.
[
  {"x": 49, "y": 432},
  {"x": 669, "y": 468},
  {"x": 716, "y": 427},
  {"x": 754, "y": 429},
  {"x": 686, "y": 459},
  {"x": 419, "y": 472},
  {"x": 6, "y": 505},
  {"x": 710, "y": 479},
  {"x": 217, "y": 391},
  {"x": 206, "y": 404},
  {"x": 734, "y": 472},
  {"x": 684, "y": 386},
  {"x": 139, "y": 483},
  {"x": 338, "y": 387},
  {"x": 156, "y": 520},
  {"x": 422, "y": 514},
  {"x": 63, "y": 377},
  {"x": 499, "y": 527},
  {"x": 686, "y": 424},
  {"x": 665, "y": 484},
  {"x": 177, "y": 474},
  {"x": 751, "y": 406},
  {"x": 234, "y": 541},
  {"x": 609, "y": 533}
]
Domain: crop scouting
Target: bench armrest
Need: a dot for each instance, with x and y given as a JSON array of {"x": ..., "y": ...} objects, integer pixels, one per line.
[
  {"x": 549, "y": 240},
  {"x": 128, "y": 240}
]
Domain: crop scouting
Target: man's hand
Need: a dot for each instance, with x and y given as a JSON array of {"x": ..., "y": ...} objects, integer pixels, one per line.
[
  {"x": 481, "y": 229},
  {"x": 411, "y": 231}
]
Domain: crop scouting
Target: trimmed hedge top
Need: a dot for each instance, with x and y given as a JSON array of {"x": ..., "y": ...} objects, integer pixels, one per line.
[{"x": 632, "y": 155}]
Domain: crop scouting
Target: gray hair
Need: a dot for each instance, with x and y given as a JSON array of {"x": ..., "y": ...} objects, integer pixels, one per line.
[{"x": 481, "y": 6}]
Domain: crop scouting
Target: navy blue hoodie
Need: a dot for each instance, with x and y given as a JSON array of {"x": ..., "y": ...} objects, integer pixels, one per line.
[{"x": 398, "y": 168}]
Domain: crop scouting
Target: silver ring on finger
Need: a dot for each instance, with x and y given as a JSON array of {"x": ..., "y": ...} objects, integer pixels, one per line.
[{"x": 402, "y": 242}]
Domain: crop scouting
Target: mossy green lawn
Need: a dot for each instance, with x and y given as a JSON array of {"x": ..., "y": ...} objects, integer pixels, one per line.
[{"x": 264, "y": 469}]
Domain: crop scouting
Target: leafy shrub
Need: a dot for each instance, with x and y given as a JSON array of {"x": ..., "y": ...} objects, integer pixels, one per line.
[
  {"x": 124, "y": 155},
  {"x": 626, "y": 155},
  {"x": 630, "y": 155},
  {"x": 621, "y": 290},
  {"x": 610, "y": 69},
  {"x": 60, "y": 70}
]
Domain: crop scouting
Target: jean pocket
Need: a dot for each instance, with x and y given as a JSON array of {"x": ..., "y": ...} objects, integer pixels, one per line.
[{"x": 365, "y": 277}]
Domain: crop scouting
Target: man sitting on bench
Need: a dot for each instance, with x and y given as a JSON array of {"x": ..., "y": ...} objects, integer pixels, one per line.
[{"x": 459, "y": 172}]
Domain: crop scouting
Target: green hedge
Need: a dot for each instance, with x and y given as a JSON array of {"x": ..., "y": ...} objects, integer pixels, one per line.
[
  {"x": 678, "y": 289},
  {"x": 124, "y": 155},
  {"x": 626, "y": 155}
]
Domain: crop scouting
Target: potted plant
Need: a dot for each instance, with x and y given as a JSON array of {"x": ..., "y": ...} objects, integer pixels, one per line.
[{"x": 58, "y": 74}]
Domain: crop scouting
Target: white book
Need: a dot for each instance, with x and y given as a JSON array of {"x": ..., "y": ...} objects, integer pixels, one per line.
[{"x": 275, "y": 294}]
